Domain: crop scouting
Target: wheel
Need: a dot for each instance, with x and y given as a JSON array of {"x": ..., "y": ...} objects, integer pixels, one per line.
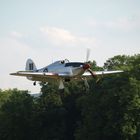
[{"x": 34, "y": 83}]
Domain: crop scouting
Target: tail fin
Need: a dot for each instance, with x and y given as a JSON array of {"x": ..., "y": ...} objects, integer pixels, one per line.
[{"x": 30, "y": 65}]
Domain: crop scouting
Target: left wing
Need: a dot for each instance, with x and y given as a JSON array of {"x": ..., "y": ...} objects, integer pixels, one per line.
[
  {"x": 101, "y": 73},
  {"x": 35, "y": 74},
  {"x": 40, "y": 74}
]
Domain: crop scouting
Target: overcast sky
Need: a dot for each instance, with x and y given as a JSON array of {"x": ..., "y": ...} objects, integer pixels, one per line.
[{"x": 49, "y": 30}]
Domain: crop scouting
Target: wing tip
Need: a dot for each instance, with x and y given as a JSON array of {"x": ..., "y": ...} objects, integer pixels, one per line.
[{"x": 12, "y": 73}]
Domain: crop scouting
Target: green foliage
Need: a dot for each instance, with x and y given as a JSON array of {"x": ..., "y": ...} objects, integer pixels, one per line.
[
  {"x": 112, "y": 110},
  {"x": 49, "y": 115},
  {"x": 117, "y": 62},
  {"x": 15, "y": 115},
  {"x": 110, "y": 113}
]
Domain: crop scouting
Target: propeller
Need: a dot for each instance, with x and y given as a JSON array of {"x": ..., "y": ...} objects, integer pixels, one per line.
[{"x": 87, "y": 66}]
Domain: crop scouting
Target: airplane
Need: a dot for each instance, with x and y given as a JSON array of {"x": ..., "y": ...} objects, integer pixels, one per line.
[{"x": 61, "y": 71}]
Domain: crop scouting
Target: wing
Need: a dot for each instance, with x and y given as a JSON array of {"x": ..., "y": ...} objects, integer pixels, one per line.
[
  {"x": 36, "y": 74},
  {"x": 39, "y": 75},
  {"x": 87, "y": 74}
]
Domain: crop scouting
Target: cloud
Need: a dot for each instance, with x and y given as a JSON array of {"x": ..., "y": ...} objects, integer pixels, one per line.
[{"x": 59, "y": 36}]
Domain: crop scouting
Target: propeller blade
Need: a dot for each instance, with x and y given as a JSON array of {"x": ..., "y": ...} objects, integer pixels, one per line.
[
  {"x": 86, "y": 83},
  {"x": 92, "y": 73},
  {"x": 87, "y": 55}
]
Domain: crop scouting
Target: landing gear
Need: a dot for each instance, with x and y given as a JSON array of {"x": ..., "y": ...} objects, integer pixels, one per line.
[
  {"x": 67, "y": 80},
  {"x": 86, "y": 84},
  {"x": 34, "y": 83},
  {"x": 61, "y": 84}
]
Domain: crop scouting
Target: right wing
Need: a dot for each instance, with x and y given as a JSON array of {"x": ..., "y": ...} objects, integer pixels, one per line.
[{"x": 88, "y": 74}]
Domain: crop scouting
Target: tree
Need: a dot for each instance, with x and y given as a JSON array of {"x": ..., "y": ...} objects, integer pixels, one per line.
[
  {"x": 112, "y": 109},
  {"x": 15, "y": 115},
  {"x": 49, "y": 116}
]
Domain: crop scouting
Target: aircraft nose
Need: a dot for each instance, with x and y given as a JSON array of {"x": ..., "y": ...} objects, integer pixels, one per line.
[{"x": 86, "y": 66}]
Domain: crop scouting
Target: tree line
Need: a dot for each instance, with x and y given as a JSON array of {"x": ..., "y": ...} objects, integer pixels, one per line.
[{"x": 110, "y": 109}]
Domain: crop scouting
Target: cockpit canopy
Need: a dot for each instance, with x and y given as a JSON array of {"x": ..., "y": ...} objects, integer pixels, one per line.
[
  {"x": 60, "y": 62},
  {"x": 74, "y": 64},
  {"x": 66, "y": 63}
]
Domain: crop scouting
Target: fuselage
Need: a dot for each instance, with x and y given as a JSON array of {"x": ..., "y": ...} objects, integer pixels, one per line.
[
  {"x": 62, "y": 69},
  {"x": 69, "y": 68}
]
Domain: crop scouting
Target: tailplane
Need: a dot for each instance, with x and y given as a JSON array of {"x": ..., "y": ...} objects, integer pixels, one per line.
[{"x": 30, "y": 65}]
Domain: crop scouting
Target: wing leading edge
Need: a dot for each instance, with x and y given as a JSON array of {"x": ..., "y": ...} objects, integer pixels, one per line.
[
  {"x": 101, "y": 73},
  {"x": 35, "y": 74},
  {"x": 42, "y": 75}
]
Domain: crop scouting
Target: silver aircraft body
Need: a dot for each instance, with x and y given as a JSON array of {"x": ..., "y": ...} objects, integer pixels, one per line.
[{"x": 61, "y": 71}]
